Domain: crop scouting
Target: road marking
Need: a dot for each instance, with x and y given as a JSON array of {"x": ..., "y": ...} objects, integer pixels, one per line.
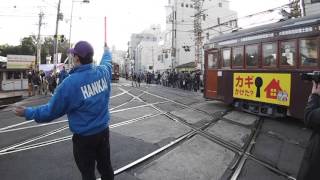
[{"x": 19, "y": 146}]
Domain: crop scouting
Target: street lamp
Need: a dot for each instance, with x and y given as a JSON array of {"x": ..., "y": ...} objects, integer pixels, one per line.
[{"x": 70, "y": 29}]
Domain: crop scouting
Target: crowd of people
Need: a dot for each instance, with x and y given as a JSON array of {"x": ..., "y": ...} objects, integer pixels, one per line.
[
  {"x": 40, "y": 82},
  {"x": 184, "y": 80}
]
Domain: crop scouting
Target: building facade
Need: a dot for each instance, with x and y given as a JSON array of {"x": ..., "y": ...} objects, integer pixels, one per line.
[
  {"x": 144, "y": 49},
  {"x": 311, "y": 7},
  {"x": 180, "y": 19},
  {"x": 119, "y": 57}
]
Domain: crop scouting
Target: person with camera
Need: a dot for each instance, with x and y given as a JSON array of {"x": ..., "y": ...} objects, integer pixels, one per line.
[
  {"x": 310, "y": 166},
  {"x": 84, "y": 96}
]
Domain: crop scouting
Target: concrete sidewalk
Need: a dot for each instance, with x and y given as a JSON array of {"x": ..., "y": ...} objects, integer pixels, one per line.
[{"x": 8, "y": 94}]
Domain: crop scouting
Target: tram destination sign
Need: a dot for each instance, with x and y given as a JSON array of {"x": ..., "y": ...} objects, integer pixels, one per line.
[{"x": 269, "y": 35}]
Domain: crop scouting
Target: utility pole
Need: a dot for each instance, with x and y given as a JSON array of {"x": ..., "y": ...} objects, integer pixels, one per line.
[
  {"x": 174, "y": 34},
  {"x": 152, "y": 59},
  {"x": 303, "y": 8},
  {"x": 198, "y": 32},
  {"x": 55, "y": 52},
  {"x": 295, "y": 10},
  {"x": 38, "y": 61}
]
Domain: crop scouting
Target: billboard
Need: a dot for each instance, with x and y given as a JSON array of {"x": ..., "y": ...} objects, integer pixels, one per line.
[
  {"x": 20, "y": 61},
  {"x": 273, "y": 88}
]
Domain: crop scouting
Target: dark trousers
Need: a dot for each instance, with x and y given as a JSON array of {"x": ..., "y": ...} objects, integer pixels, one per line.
[{"x": 88, "y": 150}]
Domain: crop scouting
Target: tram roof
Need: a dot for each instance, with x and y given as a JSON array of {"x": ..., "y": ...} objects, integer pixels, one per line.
[{"x": 281, "y": 25}]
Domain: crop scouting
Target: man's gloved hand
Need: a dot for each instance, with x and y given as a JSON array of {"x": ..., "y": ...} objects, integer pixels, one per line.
[
  {"x": 106, "y": 48},
  {"x": 315, "y": 88},
  {"x": 19, "y": 111}
]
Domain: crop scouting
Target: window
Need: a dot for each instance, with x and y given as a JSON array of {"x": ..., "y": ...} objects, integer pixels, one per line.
[
  {"x": 187, "y": 5},
  {"x": 226, "y": 56},
  {"x": 212, "y": 60},
  {"x": 24, "y": 75},
  {"x": 252, "y": 55},
  {"x": 13, "y": 75},
  {"x": 237, "y": 56},
  {"x": 269, "y": 54},
  {"x": 288, "y": 53},
  {"x": 315, "y": 1},
  {"x": 191, "y": 6},
  {"x": 17, "y": 75},
  {"x": 308, "y": 52},
  {"x": 182, "y": 5},
  {"x": 9, "y": 75},
  {"x": 220, "y": 4}
]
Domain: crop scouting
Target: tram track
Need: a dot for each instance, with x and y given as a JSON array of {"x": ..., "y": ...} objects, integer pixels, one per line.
[
  {"x": 243, "y": 153},
  {"x": 8, "y": 128},
  {"x": 19, "y": 146}
]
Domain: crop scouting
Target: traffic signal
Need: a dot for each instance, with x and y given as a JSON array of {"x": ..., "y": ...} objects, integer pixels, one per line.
[
  {"x": 186, "y": 48},
  {"x": 62, "y": 38}
]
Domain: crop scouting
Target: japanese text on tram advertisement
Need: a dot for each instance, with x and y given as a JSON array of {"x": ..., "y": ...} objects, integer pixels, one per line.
[{"x": 263, "y": 87}]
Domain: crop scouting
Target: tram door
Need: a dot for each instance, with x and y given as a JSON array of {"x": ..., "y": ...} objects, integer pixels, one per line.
[{"x": 211, "y": 74}]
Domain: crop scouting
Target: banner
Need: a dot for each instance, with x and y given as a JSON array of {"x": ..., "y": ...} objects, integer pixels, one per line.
[
  {"x": 20, "y": 61},
  {"x": 273, "y": 88}
]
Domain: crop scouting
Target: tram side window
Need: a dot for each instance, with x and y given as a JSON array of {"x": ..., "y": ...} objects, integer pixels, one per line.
[
  {"x": 13, "y": 75},
  {"x": 226, "y": 55},
  {"x": 252, "y": 55},
  {"x": 288, "y": 53},
  {"x": 237, "y": 56},
  {"x": 212, "y": 60},
  {"x": 308, "y": 52},
  {"x": 269, "y": 54}
]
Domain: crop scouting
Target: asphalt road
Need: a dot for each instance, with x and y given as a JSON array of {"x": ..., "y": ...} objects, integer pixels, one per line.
[{"x": 159, "y": 133}]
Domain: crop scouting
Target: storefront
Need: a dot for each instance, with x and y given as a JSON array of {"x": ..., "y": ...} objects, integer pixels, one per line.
[
  {"x": 13, "y": 74},
  {"x": 13, "y": 79}
]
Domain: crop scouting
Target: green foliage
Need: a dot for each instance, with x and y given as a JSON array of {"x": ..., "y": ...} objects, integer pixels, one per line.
[{"x": 28, "y": 46}]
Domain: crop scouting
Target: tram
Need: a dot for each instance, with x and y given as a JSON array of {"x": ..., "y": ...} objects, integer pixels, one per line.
[
  {"x": 259, "y": 69},
  {"x": 115, "y": 72}
]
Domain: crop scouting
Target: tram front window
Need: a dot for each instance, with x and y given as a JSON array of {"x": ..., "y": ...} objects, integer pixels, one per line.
[
  {"x": 269, "y": 54},
  {"x": 212, "y": 60},
  {"x": 252, "y": 55},
  {"x": 308, "y": 52},
  {"x": 288, "y": 53}
]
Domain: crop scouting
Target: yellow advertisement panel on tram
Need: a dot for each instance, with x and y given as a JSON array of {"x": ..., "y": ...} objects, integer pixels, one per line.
[{"x": 273, "y": 88}]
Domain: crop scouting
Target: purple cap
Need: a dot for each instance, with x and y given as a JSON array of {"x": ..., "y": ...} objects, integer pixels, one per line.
[{"x": 82, "y": 49}]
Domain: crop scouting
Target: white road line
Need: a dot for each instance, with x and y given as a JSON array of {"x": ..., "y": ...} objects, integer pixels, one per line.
[
  {"x": 18, "y": 147},
  {"x": 136, "y": 107},
  {"x": 117, "y": 95},
  {"x": 12, "y": 147},
  {"x": 7, "y": 129},
  {"x": 120, "y": 170},
  {"x": 35, "y": 126},
  {"x": 14, "y": 125}
]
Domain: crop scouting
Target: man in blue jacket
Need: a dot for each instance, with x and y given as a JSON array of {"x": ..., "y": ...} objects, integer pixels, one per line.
[
  {"x": 62, "y": 75},
  {"x": 84, "y": 97}
]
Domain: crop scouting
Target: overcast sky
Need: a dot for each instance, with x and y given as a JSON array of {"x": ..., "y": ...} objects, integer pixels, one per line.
[{"x": 19, "y": 18}]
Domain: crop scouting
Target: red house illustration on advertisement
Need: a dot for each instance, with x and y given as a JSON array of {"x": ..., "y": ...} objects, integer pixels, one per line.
[{"x": 272, "y": 89}]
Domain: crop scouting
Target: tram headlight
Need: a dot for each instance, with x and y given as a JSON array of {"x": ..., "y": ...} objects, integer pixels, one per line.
[{"x": 314, "y": 76}]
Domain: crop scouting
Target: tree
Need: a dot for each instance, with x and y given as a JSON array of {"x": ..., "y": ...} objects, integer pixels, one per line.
[
  {"x": 48, "y": 46},
  {"x": 28, "y": 46}
]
